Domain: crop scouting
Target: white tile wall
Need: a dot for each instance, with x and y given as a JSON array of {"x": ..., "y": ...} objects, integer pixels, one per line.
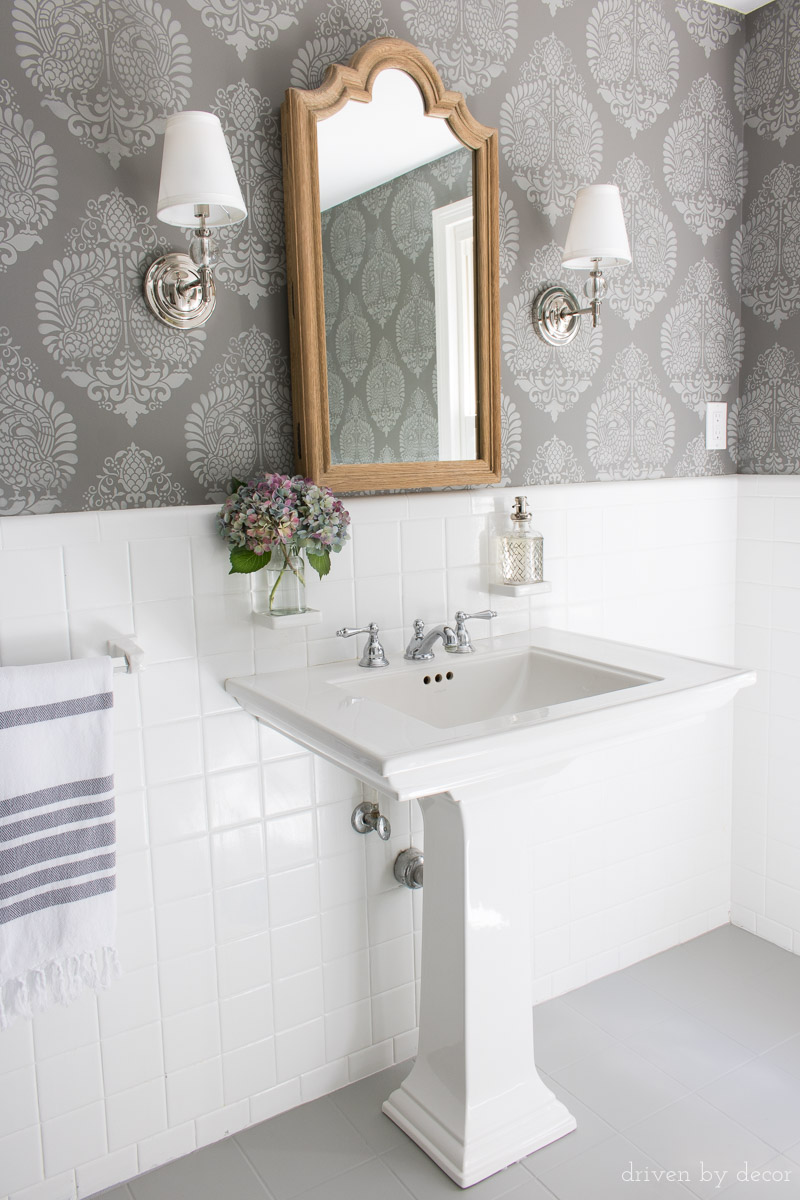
[
  {"x": 766, "y": 842},
  {"x": 269, "y": 956}
]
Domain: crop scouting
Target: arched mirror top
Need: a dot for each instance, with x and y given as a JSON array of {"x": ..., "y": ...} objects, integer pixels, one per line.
[{"x": 395, "y": 347}]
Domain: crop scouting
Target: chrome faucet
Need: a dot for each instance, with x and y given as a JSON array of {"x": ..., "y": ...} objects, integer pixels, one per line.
[
  {"x": 419, "y": 649},
  {"x": 455, "y": 641}
]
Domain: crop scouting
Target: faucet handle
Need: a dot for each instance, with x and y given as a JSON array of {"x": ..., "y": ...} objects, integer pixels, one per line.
[
  {"x": 416, "y": 641},
  {"x": 463, "y": 644},
  {"x": 373, "y": 654}
]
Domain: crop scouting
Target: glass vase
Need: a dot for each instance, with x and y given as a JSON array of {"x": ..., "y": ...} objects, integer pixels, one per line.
[{"x": 280, "y": 588}]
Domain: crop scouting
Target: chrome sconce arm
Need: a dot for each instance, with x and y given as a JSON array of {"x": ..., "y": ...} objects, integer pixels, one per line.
[
  {"x": 596, "y": 238},
  {"x": 556, "y": 309},
  {"x": 198, "y": 188}
]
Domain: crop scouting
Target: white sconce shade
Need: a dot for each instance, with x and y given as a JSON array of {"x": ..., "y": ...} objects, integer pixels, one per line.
[
  {"x": 196, "y": 169},
  {"x": 597, "y": 230}
]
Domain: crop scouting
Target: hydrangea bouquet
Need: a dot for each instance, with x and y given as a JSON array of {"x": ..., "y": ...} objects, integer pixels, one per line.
[{"x": 278, "y": 515}]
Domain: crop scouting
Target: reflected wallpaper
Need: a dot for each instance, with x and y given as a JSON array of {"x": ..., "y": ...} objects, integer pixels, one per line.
[
  {"x": 692, "y": 110},
  {"x": 380, "y": 314}
]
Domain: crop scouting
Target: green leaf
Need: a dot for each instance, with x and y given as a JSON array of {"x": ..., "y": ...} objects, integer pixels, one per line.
[
  {"x": 235, "y": 485},
  {"x": 320, "y": 562},
  {"x": 244, "y": 561}
]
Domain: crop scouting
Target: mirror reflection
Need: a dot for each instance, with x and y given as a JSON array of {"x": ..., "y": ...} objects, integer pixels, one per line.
[{"x": 396, "y": 203}]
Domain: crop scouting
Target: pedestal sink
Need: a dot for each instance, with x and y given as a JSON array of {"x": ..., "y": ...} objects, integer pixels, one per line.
[{"x": 469, "y": 736}]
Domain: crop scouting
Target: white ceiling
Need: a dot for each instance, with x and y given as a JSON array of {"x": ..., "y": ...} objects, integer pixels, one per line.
[
  {"x": 742, "y": 6},
  {"x": 365, "y": 145}
]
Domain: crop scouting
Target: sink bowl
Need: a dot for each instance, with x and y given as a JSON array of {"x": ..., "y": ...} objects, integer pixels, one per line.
[
  {"x": 460, "y": 690},
  {"x": 471, "y": 737}
]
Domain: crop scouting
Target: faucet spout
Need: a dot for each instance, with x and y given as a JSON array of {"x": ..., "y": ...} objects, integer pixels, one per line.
[{"x": 443, "y": 633}]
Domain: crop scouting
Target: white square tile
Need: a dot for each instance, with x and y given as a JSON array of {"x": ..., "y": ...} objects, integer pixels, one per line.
[
  {"x": 18, "y": 1101},
  {"x": 290, "y": 841},
  {"x": 346, "y": 980},
  {"x": 161, "y": 569},
  {"x": 234, "y": 797},
  {"x": 376, "y": 548},
  {"x": 191, "y": 1037},
  {"x": 246, "y": 1018},
  {"x": 342, "y": 878},
  {"x": 298, "y": 999},
  {"x": 294, "y": 895},
  {"x": 299, "y": 1050},
  {"x": 165, "y": 629},
  {"x": 131, "y": 1002},
  {"x": 136, "y": 1114},
  {"x": 344, "y": 930},
  {"x": 185, "y": 927},
  {"x": 59, "y": 1029},
  {"x": 237, "y": 855},
  {"x": 243, "y": 965},
  {"x": 170, "y": 691},
  {"x": 231, "y": 740},
  {"x": 248, "y": 1071},
  {"x": 241, "y": 911},
  {"x": 187, "y": 983},
  {"x": 348, "y": 1030},
  {"x": 194, "y": 1091},
  {"x": 173, "y": 751},
  {"x": 176, "y": 810},
  {"x": 21, "y": 1156},
  {"x": 181, "y": 869},
  {"x": 16, "y": 1046},
  {"x": 40, "y": 639},
  {"x": 76, "y": 1137},
  {"x": 132, "y": 1058},
  {"x": 224, "y": 624},
  {"x": 211, "y": 568},
  {"x": 393, "y": 1012},
  {"x": 296, "y": 948},
  {"x": 422, "y": 545},
  {"x": 288, "y": 784},
  {"x": 64, "y": 1082},
  {"x": 97, "y": 576}
]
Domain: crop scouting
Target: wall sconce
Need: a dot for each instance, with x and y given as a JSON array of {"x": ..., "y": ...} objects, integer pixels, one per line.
[
  {"x": 596, "y": 239},
  {"x": 198, "y": 188}
]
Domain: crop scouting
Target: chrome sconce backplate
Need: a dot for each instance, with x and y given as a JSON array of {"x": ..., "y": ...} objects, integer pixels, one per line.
[
  {"x": 173, "y": 292},
  {"x": 556, "y": 315}
]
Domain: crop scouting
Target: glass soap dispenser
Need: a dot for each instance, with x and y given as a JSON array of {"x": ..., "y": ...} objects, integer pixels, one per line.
[{"x": 521, "y": 553}]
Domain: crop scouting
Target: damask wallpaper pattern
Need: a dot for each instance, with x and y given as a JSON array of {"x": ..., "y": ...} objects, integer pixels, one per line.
[
  {"x": 380, "y": 314},
  {"x": 691, "y": 110},
  {"x": 765, "y": 254}
]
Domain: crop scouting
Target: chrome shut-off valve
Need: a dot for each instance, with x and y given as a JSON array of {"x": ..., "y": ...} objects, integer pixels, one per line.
[
  {"x": 408, "y": 868},
  {"x": 367, "y": 816}
]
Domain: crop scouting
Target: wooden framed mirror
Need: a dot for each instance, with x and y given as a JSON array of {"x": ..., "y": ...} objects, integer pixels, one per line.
[{"x": 391, "y": 199}]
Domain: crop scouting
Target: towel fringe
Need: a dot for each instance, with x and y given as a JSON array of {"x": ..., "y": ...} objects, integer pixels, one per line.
[{"x": 58, "y": 982}]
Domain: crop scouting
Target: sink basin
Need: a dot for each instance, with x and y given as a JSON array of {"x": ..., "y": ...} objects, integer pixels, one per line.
[
  {"x": 471, "y": 737},
  {"x": 465, "y": 690},
  {"x": 521, "y": 699}
]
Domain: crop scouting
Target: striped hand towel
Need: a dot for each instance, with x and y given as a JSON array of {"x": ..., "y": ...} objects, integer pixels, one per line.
[{"x": 57, "y": 834}]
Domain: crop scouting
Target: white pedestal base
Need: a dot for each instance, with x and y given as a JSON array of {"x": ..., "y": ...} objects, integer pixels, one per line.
[
  {"x": 474, "y": 1101},
  {"x": 470, "y": 1164}
]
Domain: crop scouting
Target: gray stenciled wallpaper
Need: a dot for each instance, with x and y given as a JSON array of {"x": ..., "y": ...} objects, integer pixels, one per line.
[
  {"x": 380, "y": 314},
  {"x": 102, "y": 406},
  {"x": 765, "y": 256}
]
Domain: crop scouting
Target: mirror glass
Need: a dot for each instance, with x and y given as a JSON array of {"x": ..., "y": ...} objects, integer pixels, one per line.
[{"x": 398, "y": 272}]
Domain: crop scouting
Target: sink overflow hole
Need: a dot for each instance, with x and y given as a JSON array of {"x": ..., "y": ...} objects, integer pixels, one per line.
[{"x": 426, "y": 679}]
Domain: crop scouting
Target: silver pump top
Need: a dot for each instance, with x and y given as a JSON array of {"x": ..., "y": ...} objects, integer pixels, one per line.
[{"x": 520, "y": 510}]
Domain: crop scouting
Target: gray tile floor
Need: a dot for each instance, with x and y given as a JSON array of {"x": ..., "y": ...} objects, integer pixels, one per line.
[{"x": 687, "y": 1062}]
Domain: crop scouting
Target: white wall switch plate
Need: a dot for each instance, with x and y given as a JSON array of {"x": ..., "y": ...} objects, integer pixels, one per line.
[{"x": 716, "y": 426}]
